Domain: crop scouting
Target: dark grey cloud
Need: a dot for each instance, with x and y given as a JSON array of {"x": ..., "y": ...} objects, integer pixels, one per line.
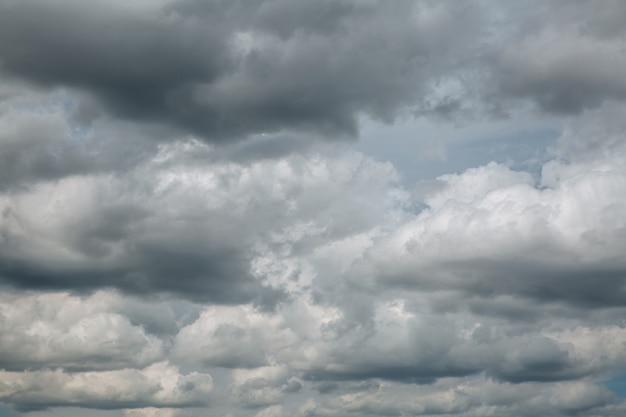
[
  {"x": 159, "y": 315},
  {"x": 229, "y": 69},
  {"x": 406, "y": 372},
  {"x": 189, "y": 267},
  {"x": 135, "y": 63},
  {"x": 446, "y": 354},
  {"x": 41, "y": 141},
  {"x": 568, "y": 79},
  {"x": 326, "y": 387},
  {"x": 562, "y": 56},
  {"x": 24, "y": 159},
  {"x": 588, "y": 286},
  {"x": 421, "y": 353}
]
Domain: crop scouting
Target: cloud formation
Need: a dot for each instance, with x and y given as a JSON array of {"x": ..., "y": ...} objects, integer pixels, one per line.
[
  {"x": 181, "y": 224},
  {"x": 62, "y": 331},
  {"x": 159, "y": 385},
  {"x": 222, "y": 69},
  {"x": 185, "y": 231}
]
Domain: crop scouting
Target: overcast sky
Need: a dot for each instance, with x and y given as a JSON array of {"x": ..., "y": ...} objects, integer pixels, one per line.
[{"x": 294, "y": 208}]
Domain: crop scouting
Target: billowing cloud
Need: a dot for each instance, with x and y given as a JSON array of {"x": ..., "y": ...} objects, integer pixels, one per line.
[
  {"x": 159, "y": 385},
  {"x": 492, "y": 231},
  {"x": 222, "y": 69},
  {"x": 41, "y": 140},
  {"x": 185, "y": 232},
  {"x": 60, "y": 330},
  {"x": 179, "y": 225},
  {"x": 237, "y": 337},
  {"x": 263, "y": 386}
]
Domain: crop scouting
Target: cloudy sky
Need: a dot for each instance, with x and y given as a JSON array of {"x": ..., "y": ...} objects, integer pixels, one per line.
[{"x": 290, "y": 208}]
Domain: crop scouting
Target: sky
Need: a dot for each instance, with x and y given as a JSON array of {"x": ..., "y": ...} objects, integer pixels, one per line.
[{"x": 334, "y": 208}]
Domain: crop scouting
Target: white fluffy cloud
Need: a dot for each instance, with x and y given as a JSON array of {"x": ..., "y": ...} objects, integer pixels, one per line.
[
  {"x": 151, "y": 412},
  {"x": 494, "y": 231},
  {"x": 159, "y": 385},
  {"x": 237, "y": 337},
  {"x": 49, "y": 330}
]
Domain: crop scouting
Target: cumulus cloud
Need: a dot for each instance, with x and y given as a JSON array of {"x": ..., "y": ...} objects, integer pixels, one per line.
[
  {"x": 237, "y": 337},
  {"x": 263, "y": 386},
  {"x": 183, "y": 231},
  {"x": 159, "y": 385},
  {"x": 492, "y": 231},
  {"x": 179, "y": 225},
  {"x": 60, "y": 330},
  {"x": 222, "y": 70}
]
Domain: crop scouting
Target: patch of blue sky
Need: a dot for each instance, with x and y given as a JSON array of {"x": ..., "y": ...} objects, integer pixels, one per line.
[
  {"x": 61, "y": 99},
  {"x": 617, "y": 384},
  {"x": 422, "y": 150},
  {"x": 5, "y": 413}
]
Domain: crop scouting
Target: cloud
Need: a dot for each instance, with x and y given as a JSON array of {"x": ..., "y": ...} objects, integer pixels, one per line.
[
  {"x": 223, "y": 70},
  {"x": 375, "y": 297},
  {"x": 34, "y": 147},
  {"x": 560, "y": 58},
  {"x": 184, "y": 229},
  {"x": 41, "y": 140},
  {"x": 271, "y": 411},
  {"x": 58, "y": 330},
  {"x": 151, "y": 412},
  {"x": 475, "y": 398},
  {"x": 490, "y": 231},
  {"x": 176, "y": 216},
  {"x": 159, "y": 385},
  {"x": 422, "y": 348},
  {"x": 561, "y": 73},
  {"x": 263, "y": 386},
  {"x": 237, "y": 337}
]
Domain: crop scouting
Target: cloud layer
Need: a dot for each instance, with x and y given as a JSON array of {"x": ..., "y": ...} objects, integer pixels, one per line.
[
  {"x": 224, "y": 69},
  {"x": 185, "y": 231}
]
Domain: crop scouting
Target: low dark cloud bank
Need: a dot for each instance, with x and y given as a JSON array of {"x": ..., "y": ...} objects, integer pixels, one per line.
[{"x": 225, "y": 70}]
